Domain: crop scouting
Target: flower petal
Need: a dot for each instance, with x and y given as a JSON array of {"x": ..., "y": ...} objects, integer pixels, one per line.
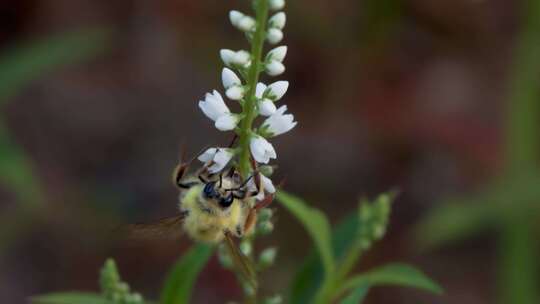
[
  {"x": 267, "y": 107},
  {"x": 227, "y": 122},
  {"x": 229, "y": 78},
  {"x": 278, "y": 89},
  {"x": 208, "y": 155}
]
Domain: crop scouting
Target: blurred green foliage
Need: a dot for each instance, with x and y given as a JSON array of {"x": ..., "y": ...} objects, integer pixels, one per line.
[
  {"x": 19, "y": 66},
  {"x": 510, "y": 204},
  {"x": 314, "y": 283}
]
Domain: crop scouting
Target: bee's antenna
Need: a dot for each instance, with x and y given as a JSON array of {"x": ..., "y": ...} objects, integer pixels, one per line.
[
  {"x": 243, "y": 184},
  {"x": 220, "y": 180}
]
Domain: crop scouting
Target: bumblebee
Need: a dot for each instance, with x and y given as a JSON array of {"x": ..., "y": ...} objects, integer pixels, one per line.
[{"x": 214, "y": 208}]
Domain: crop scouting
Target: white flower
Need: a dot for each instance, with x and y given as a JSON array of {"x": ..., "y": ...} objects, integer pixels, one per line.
[
  {"x": 235, "y": 17},
  {"x": 261, "y": 149},
  {"x": 217, "y": 157},
  {"x": 274, "y": 68},
  {"x": 215, "y": 108},
  {"x": 267, "y": 186},
  {"x": 278, "y": 20},
  {"x": 235, "y": 93},
  {"x": 259, "y": 90},
  {"x": 213, "y": 105},
  {"x": 276, "y": 5},
  {"x": 279, "y": 122},
  {"x": 230, "y": 57},
  {"x": 227, "y": 56},
  {"x": 229, "y": 78},
  {"x": 227, "y": 122},
  {"x": 242, "y": 22},
  {"x": 267, "y": 107},
  {"x": 277, "y": 89},
  {"x": 277, "y": 54},
  {"x": 246, "y": 24},
  {"x": 274, "y": 35}
]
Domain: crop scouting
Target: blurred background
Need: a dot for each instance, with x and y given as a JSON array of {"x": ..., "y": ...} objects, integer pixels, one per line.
[{"x": 437, "y": 98}]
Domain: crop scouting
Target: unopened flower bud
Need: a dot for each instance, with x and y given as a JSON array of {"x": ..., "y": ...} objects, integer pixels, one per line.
[
  {"x": 276, "y": 5},
  {"x": 274, "y": 35},
  {"x": 267, "y": 257}
]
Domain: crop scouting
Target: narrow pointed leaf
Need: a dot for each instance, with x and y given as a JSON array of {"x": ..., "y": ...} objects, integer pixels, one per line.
[
  {"x": 356, "y": 296},
  {"x": 70, "y": 298},
  {"x": 316, "y": 224},
  {"x": 181, "y": 280},
  {"x": 393, "y": 274}
]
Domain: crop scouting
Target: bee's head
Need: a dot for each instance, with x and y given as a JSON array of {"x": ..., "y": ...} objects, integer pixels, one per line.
[{"x": 223, "y": 199}]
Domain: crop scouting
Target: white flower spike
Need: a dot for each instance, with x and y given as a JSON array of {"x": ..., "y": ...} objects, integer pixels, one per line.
[
  {"x": 277, "y": 89},
  {"x": 274, "y": 35},
  {"x": 278, "y": 20},
  {"x": 235, "y": 93},
  {"x": 242, "y": 22},
  {"x": 229, "y": 78},
  {"x": 274, "y": 68},
  {"x": 259, "y": 90},
  {"x": 266, "y": 107},
  {"x": 277, "y": 54},
  {"x": 235, "y": 17},
  {"x": 276, "y": 5},
  {"x": 217, "y": 158},
  {"x": 279, "y": 122},
  {"x": 213, "y": 105},
  {"x": 261, "y": 149},
  {"x": 227, "y": 122},
  {"x": 246, "y": 24},
  {"x": 266, "y": 184},
  {"x": 230, "y": 57}
]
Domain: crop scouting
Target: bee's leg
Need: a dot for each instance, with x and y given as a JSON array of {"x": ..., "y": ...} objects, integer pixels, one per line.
[
  {"x": 251, "y": 219},
  {"x": 178, "y": 174},
  {"x": 239, "y": 231},
  {"x": 267, "y": 200}
]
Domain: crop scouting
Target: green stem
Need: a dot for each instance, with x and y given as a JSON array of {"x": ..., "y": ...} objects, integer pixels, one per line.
[
  {"x": 252, "y": 79},
  {"x": 249, "y": 106}
]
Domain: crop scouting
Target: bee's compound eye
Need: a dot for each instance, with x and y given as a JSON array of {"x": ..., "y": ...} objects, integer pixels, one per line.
[
  {"x": 225, "y": 202},
  {"x": 209, "y": 191}
]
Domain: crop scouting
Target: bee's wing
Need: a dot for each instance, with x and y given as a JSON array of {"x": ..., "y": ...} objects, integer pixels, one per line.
[
  {"x": 167, "y": 228},
  {"x": 241, "y": 262}
]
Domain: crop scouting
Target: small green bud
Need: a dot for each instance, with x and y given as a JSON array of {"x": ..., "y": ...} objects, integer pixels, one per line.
[
  {"x": 225, "y": 260},
  {"x": 266, "y": 170},
  {"x": 116, "y": 297},
  {"x": 379, "y": 231},
  {"x": 248, "y": 289},
  {"x": 265, "y": 214},
  {"x": 246, "y": 247},
  {"x": 122, "y": 288},
  {"x": 265, "y": 228},
  {"x": 365, "y": 243},
  {"x": 267, "y": 257},
  {"x": 277, "y": 299}
]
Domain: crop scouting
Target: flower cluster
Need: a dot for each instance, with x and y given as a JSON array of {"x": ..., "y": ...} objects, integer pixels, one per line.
[{"x": 238, "y": 86}]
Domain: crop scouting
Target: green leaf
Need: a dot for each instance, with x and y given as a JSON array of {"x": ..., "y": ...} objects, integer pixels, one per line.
[
  {"x": 25, "y": 62},
  {"x": 17, "y": 172},
  {"x": 316, "y": 224},
  {"x": 356, "y": 296},
  {"x": 309, "y": 278},
  {"x": 393, "y": 274},
  {"x": 181, "y": 280},
  {"x": 70, "y": 298}
]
